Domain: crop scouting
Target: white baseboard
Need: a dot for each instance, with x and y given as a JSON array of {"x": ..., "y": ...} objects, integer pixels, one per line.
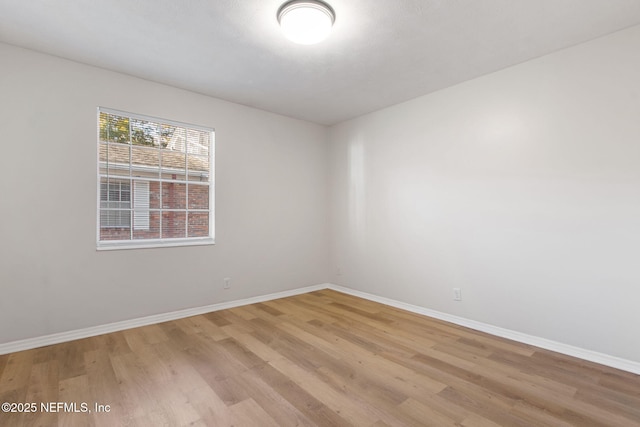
[
  {"x": 592, "y": 356},
  {"x": 30, "y": 343},
  {"x": 569, "y": 350}
]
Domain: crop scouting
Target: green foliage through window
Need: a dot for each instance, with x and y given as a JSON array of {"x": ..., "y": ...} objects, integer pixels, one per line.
[{"x": 118, "y": 129}]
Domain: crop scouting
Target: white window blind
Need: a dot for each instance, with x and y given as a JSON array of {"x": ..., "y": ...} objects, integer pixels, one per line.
[
  {"x": 155, "y": 181},
  {"x": 115, "y": 201},
  {"x": 140, "y": 205}
]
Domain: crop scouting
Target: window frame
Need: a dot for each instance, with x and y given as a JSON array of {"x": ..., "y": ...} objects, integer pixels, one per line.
[
  {"x": 119, "y": 203},
  {"x": 155, "y": 242}
]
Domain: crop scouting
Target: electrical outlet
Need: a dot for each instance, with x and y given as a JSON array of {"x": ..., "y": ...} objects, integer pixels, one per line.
[
  {"x": 457, "y": 294},
  {"x": 227, "y": 282}
]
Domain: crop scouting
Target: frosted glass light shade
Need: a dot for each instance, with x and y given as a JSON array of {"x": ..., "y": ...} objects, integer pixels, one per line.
[{"x": 306, "y": 22}]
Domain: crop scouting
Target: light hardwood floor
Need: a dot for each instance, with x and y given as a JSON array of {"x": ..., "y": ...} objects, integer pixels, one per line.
[{"x": 323, "y": 358}]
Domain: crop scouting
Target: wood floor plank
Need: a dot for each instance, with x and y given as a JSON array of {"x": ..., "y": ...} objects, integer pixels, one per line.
[
  {"x": 4, "y": 358},
  {"x": 201, "y": 325},
  {"x": 114, "y": 343},
  {"x": 485, "y": 404},
  {"x": 301, "y": 311},
  {"x": 42, "y": 388},
  {"x": 422, "y": 415},
  {"x": 385, "y": 334},
  {"x": 621, "y": 381},
  {"x": 15, "y": 395},
  {"x": 475, "y": 420},
  {"x": 300, "y": 398},
  {"x": 103, "y": 389},
  {"x": 318, "y": 359},
  {"x": 278, "y": 408},
  {"x": 137, "y": 389},
  {"x": 535, "y": 416},
  {"x": 218, "y": 318},
  {"x": 249, "y": 413},
  {"x": 245, "y": 312},
  {"x": 335, "y": 400},
  {"x": 253, "y": 344},
  {"x": 17, "y": 371},
  {"x": 363, "y": 359},
  {"x": 72, "y": 393},
  {"x": 616, "y": 403}
]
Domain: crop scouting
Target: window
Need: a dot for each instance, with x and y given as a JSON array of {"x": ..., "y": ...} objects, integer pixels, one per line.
[
  {"x": 154, "y": 182},
  {"x": 115, "y": 202}
]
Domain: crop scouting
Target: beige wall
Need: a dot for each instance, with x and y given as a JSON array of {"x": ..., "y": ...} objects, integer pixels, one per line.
[
  {"x": 271, "y": 226},
  {"x": 522, "y": 188}
]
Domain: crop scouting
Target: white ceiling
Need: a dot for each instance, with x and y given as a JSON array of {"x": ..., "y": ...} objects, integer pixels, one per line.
[{"x": 380, "y": 53}]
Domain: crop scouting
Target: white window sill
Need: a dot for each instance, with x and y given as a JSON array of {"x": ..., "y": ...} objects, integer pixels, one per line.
[{"x": 146, "y": 244}]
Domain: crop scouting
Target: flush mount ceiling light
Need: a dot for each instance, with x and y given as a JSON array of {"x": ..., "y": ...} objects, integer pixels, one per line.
[{"x": 306, "y": 22}]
